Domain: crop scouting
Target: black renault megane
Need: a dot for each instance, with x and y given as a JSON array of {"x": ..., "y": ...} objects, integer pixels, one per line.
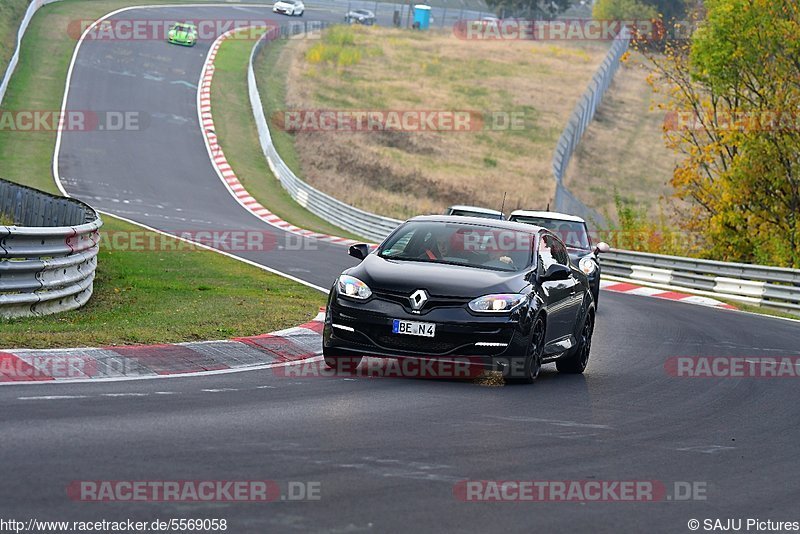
[{"x": 501, "y": 295}]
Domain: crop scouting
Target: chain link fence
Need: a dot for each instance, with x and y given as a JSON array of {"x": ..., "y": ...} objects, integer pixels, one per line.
[{"x": 579, "y": 121}]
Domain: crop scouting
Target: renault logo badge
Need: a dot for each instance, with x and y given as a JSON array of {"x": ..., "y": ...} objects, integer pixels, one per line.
[{"x": 418, "y": 299}]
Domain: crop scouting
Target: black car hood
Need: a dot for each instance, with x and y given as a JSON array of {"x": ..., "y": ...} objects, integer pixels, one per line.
[{"x": 438, "y": 279}]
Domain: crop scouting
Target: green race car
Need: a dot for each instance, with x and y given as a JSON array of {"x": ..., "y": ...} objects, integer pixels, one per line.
[{"x": 183, "y": 33}]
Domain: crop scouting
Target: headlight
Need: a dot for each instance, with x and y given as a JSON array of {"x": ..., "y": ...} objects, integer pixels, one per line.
[
  {"x": 351, "y": 286},
  {"x": 587, "y": 265},
  {"x": 172, "y": 33},
  {"x": 496, "y": 303}
]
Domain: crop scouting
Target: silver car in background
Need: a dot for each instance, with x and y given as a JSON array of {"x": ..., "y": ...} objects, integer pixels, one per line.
[{"x": 360, "y": 16}]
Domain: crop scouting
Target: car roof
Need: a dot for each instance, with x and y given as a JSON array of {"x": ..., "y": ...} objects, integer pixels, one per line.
[
  {"x": 481, "y": 221},
  {"x": 476, "y": 209},
  {"x": 547, "y": 215}
]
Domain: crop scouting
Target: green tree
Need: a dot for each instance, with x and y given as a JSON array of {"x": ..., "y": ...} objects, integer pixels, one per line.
[
  {"x": 669, "y": 9},
  {"x": 623, "y": 10},
  {"x": 733, "y": 95}
]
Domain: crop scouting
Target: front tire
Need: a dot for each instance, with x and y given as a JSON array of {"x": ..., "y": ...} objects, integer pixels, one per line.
[
  {"x": 577, "y": 360},
  {"x": 533, "y": 362}
]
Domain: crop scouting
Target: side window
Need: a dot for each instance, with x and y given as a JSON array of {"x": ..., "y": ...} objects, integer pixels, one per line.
[
  {"x": 546, "y": 258},
  {"x": 559, "y": 251},
  {"x": 400, "y": 244}
]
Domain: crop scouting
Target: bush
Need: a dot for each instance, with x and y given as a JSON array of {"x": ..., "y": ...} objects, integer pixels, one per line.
[{"x": 338, "y": 47}]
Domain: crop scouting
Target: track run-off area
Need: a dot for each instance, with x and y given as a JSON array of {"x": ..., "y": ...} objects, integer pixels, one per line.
[{"x": 386, "y": 454}]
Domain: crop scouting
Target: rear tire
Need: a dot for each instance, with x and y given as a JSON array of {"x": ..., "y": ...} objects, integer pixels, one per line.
[{"x": 575, "y": 362}]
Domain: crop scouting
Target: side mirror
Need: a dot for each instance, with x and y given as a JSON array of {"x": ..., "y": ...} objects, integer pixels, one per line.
[
  {"x": 556, "y": 272},
  {"x": 602, "y": 246},
  {"x": 359, "y": 250}
]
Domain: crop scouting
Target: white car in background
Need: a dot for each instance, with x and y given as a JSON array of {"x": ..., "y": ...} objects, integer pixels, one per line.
[
  {"x": 574, "y": 233},
  {"x": 289, "y": 7},
  {"x": 475, "y": 211}
]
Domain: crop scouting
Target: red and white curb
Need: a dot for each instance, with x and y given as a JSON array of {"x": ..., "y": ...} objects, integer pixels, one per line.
[
  {"x": 220, "y": 162},
  {"x": 275, "y": 349},
  {"x": 633, "y": 289}
]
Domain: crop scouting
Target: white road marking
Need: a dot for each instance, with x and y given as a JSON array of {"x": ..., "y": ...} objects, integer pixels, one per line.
[
  {"x": 706, "y": 449},
  {"x": 555, "y": 422},
  {"x": 54, "y": 397},
  {"x": 161, "y": 377}
]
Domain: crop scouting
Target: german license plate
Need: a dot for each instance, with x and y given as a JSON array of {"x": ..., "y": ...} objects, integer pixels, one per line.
[{"x": 413, "y": 328}]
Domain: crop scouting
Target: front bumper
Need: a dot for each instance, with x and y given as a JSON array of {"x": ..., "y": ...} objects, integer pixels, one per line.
[
  {"x": 182, "y": 42},
  {"x": 365, "y": 329}
]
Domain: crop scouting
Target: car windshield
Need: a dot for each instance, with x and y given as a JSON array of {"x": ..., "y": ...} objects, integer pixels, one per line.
[
  {"x": 482, "y": 215},
  {"x": 572, "y": 233},
  {"x": 470, "y": 245}
]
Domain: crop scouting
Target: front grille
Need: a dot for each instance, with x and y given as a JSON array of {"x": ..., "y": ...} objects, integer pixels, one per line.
[
  {"x": 415, "y": 344},
  {"x": 442, "y": 343},
  {"x": 434, "y": 301}
]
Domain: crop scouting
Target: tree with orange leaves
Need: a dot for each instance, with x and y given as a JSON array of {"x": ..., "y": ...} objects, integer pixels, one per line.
[{"x": 732, "y": 102}]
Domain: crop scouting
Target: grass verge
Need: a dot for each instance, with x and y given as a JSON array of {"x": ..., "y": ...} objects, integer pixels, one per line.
[
  {"x": 11, "y": 13},
  {"x": 144, "y": 296},
  {"x": 140, "y": 296},
  {"x": 238, "y": 136},
  {"x": 760, "y": 310}
]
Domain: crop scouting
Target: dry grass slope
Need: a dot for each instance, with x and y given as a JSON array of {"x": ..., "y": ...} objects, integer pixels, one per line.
[
  {"x": 405, "y": 173},
  {"x": 623, "y": 150}
]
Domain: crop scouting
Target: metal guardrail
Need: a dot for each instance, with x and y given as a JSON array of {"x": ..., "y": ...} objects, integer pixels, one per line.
[
  {"x": 580, "y": 119},
  {"x": 377, "y": 227},
  {"x": 48, "y": 257},
  {"x": 336, "y": 212},
  {"x": 772, "y": 287}
]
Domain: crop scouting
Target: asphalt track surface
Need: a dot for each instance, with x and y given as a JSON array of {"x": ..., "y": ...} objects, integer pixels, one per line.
[
  {"x": 161, "y": 175},
  {"x": 387, "y": 452}
]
